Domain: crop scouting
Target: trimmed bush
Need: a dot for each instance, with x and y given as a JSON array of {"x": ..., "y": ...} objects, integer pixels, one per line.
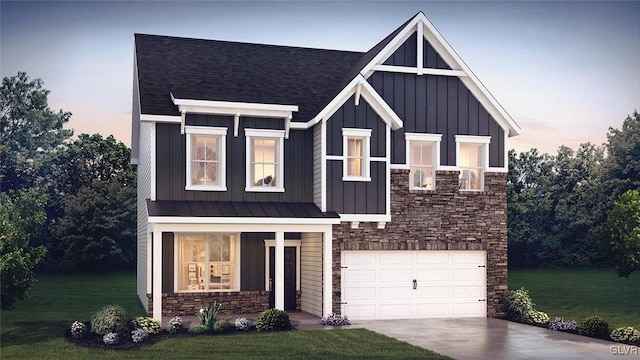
[
  {"x": 222, "y": 326},
  {"x": 560, "y": 324},
  {"x": 594, "y": 327},
  {"x": 335, "y": 319},
  {"x": 79, "y": 330},
  {"x": 110, "y": 319},
  {"x": 517, "y": 305},
  {"x": 175, "y": 325},
  {"x": 538, "y": 318},
  {"x": 150, "y": 325},
  {"x": 139, "y": 335},
  {"x": 626, "y": 335},
  {"x": 243, "y": 324},
  {"x": 199, "y": 329},
  {"x": 273, "y": 320}
]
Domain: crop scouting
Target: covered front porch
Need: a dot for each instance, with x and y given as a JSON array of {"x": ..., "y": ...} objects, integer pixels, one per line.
[{"x": 246, "y": 263}]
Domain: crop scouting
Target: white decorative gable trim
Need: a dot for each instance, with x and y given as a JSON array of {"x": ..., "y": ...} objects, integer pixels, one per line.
[
  {"x": 426, "y": 30},
  {"x": 362, "y": 89}
]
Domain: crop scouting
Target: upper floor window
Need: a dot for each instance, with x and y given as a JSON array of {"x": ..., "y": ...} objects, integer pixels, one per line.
[
  {"x": 265, "y": 160},
  {"x": 208, "y": 262},
  {"x": 472, "y": 157},
  {"x": 206, "y": 158},
  {"x": 355, "y": 148},
  {"x": 422, "y": 158}
]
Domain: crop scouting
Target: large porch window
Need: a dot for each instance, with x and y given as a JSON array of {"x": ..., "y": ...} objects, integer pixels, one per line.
[{"x": 208, "y": 262}]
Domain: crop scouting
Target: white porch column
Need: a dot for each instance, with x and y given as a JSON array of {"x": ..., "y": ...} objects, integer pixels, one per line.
[
  {"x": 279, "y": 289},
  {"x": 327, "y": 272},
  {"x": 157, "y": 275}
]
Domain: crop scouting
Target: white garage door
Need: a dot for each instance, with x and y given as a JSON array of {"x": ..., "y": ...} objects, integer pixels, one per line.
[{"x": 413, "y": 284}]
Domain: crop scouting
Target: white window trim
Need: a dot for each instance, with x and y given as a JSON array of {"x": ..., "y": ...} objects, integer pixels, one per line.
[
  {"x": 265, "y": 133},
  {"x": 365, "y": 135},
  {"x": 470, "y": 139},
  {"x": 235, "y": 285},
  {"x": 206, "y": 130},
  {"x": 433, "y": 138}
]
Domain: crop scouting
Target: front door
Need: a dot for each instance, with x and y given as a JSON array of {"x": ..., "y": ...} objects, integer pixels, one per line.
[{"x": 289, "y": 277}]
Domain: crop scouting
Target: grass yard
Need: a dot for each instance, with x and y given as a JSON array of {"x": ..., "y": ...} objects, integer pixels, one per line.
[
  {"x": 35, "y": 328},
  {"x": 580, "y": 293}
]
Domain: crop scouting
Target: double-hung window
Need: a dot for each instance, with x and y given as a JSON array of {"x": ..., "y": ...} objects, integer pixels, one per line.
[
  {"x": 422, "y": 157},
  {"x": 206, "y": 158},
  {"x": 472, "y": 158},
  {"x": 208, "y": 262},
  {"x": 356, "y": 156},
  {"x": 265, "y": 160}
]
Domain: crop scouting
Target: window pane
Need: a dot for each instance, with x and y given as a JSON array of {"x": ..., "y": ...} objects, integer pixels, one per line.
[
  {"x": 470, "y": 155},
  {"x": 264, "y": 161},
  {"x": 354, "y": 147},
  {"x": 421, "y": 177},
  {"x": 205, "y": 150},
  {"x": 354, "y": 167}
]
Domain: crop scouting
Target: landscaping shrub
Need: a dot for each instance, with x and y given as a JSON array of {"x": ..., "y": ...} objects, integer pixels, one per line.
[
  {"x": 273, "y": 320},
  {"x": 199, "y": 329},
  {"x": 111, "y": 338},
  {"x": 538, "y": 318},
  {"x": 139, "y": 335},
  {"x": 560, "y": 324},
  {"x": 335, "y": 319},
  {"x": 150, "y": 325},
  {"x": 79, "y": 330},
  {"x": 594, "y": 327},
  {"x": 222, "y": 326},
  {"x": 517, "y": 305},
  {"x": 626, "y": 335},
  {"x": 110, "y": 319},
  {"x": 243, "y": 324}
]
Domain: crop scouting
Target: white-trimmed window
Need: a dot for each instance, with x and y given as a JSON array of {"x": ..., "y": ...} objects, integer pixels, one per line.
[
  {"x": 423, "y": 153},
  {"x": 265, "y": 160},
  {"x": 356, "y": 156},
  {"x": 472, "y": 158},
  {"x": 206, "y": 158},
  {"x": 208, "y": 262}
]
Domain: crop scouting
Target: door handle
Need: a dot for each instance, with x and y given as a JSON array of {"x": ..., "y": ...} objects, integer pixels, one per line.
[{"x": 415, "y": 284}]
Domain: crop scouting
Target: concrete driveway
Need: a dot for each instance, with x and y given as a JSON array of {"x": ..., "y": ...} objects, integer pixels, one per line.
[{"x": 488, "y": 338}]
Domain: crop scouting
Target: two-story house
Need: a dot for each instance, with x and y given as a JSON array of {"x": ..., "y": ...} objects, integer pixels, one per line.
[{"x": 368, "y": 184}]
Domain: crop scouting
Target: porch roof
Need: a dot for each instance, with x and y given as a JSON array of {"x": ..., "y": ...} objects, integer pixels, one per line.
[{"x": 236, "y": 209}]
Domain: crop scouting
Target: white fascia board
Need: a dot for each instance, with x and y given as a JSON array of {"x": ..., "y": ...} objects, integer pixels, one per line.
[
  {"x": 380, "y": 106},
  {"x": 335, "y": 103},
  {"x": 247, "y": 227},
  {"x": 452, "y": 58},
  {"x": 393, "y": 45},
  {"x": 233, "y": 108},
  {"x": 242, "y": 220},
  {"x": 172, "y": 119},
  {"x": 472, "y": 139},
  {"x": 423, "y": 71}
]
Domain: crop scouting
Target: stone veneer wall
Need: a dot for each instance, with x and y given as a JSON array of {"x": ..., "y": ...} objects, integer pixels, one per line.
[
  {"x": 239, "y": 302},
  {"x": 441, "y": 219}
]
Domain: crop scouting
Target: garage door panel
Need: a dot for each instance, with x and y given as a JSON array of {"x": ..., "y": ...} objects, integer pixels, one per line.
[
  {"x": 359, "y": 276},
  {"x": 358, "y": 258},
  {"x": 395, "y": 275},
  {"x": 474, "y": 274},
  {"x": 432, "y": 258},
  {"x": 472, "y": 308},
  {"x": 395, "y": 258},
  {"x": 395, "y": 292},
  {"x": 431, "y": 275},
  {"x": 467, "y": 257},
  {"x": 432, "y": 292},
  {"x": 360, "y": 311},
  {"x": 361, "y": 293},
  {"x": 397, "y": 311},
  {"x": 476, "y": 292},
  {"x": 432, "y": 309}
]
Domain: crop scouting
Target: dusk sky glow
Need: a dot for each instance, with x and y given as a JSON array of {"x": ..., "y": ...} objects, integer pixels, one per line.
[{"x": 565, "y": 71}]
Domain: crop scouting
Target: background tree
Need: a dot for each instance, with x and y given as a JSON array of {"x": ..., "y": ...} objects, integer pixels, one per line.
[
  {"x": 622, "y": 233},
  {"x": 28, "y": 130},
  {"x": 21, "y": 216}
]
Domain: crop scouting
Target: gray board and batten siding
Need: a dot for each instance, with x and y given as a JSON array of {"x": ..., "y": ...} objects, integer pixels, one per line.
[
  {"x": 448, "y": 108},
  {"x": 171, "y": 162},
  {"x": 356, "y": 197}
]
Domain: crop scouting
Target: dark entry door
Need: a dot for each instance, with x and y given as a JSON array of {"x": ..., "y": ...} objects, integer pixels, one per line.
[{"x": 289, "y": 277}]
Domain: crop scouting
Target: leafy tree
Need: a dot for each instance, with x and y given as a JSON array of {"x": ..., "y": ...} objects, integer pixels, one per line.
[
  {"x": 622, "y": 233},
  {"x": 28, "y": 130},
  {"x": 97, "y": 230},
  {"x": 21, "y": 215}
]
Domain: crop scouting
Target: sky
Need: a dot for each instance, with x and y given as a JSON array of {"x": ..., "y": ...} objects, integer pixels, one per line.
[{"x": 564, "y": 71}]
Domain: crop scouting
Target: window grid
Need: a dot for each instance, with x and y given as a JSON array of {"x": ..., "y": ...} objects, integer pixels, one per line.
[
  {"x": 421, "y": 165},
  {"x": 205, "y": 160},
  {"x": 199, "y": 272}
]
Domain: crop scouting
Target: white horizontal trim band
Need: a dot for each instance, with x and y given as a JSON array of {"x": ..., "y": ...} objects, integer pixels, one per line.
[
  {"x": 423, "y": 70},
  {"x": 161, "y": 118},
  {"x": 241, "y": 220}
]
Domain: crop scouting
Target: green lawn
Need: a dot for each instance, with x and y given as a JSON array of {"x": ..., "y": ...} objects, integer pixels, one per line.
[
  {"x": 35, "y": 328},
  {"x": 577, "y": 294}
]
